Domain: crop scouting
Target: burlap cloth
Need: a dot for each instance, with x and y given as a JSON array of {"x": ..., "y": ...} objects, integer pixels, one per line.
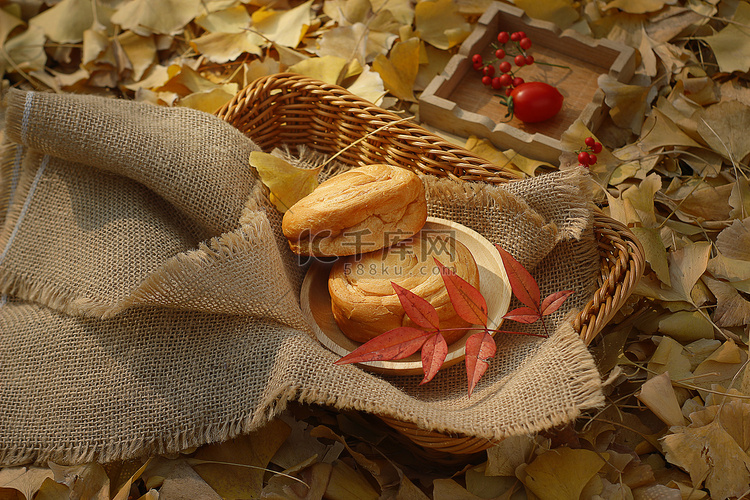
[{"x": 150, "y": 303}]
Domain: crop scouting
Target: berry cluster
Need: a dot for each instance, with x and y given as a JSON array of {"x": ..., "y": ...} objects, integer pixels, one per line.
[
  {"x": 519, "y": 45},
  {"x": 587, "y": 155}
]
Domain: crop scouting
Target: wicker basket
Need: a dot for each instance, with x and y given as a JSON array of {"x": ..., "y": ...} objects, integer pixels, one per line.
[{"x": 289, "y": 109}]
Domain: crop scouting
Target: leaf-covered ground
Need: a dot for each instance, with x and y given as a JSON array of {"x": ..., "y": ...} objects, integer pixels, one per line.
[{"x": 674, "y": 168}]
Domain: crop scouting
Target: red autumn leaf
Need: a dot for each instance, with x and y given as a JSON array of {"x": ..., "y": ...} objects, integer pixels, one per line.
[
  {"x": 467, "y": 301},
  {"x": 553, "y": 301},
  {"x": 523, "y": 315},
  {"x": 418, "y": 309},
  {"x": 434, "y": 351},
  {"x": 522, "y": 283},
  {"x": 479, "y": 348},
  {"x": 393, "y": 344}
]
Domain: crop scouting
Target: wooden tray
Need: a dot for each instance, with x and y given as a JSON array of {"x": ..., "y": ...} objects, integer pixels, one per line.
[
  {"x": 493, "y": 283},
  {"x": 456, "y": 101}
]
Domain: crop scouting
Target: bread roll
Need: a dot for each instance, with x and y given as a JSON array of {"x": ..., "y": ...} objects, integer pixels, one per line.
[
  {"x": 358, "y": 211},
  {"x": 364, "y": 302}
]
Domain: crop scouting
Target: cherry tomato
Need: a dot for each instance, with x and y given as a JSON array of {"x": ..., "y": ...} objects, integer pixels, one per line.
[{"x": 536, "y": 102}]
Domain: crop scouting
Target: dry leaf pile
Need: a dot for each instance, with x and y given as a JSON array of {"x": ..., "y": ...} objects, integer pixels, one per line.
[{"x": 674, "y": 168}]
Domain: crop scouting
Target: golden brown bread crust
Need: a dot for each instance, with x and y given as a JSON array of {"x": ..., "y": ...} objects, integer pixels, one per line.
[
  {"x": 361, "y": 210},
  {"x": 364, "y": 302}
]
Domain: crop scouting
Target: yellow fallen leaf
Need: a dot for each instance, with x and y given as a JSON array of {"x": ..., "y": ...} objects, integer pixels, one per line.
[
  {"x": 739, "y": 199},
  {"x": 561, "y": 12},
  {"x": 8, "y": 22},
  {"x": 628, "y": 104},
  {"x": 726, "y": 268},
  {"x": 368, "y": 86},
  {"x": 658, "y": 395},
  {"x": 562, "y": 473},
  {"x": 66, "y": 21},
  {"x": 26, "y": 481},
  {"x": 504, "y": 458},
  {"x": 328, "y": 69},
  {"x": 711, "y": 455},
  {"x": 284, "y": 27},
  {"x": 686, "y": 326},
  {"x": 52, "y": 490},
  {"x": 670, "y": 357},
  {"x": 654, "y": 251},
  {"x": 440, "y": 24},
  {"x": 734, "y": 241},
  {"x": 346, "y": 483},
  {"x": 731, "y": 308},
  {"x": 723, "y": 127},
  {"x": 124, "y": 492},
  {"x": 24, "y": 52},
  {"x": 402, "y": 10},
  {"x": 698, "y": 199},
  {"x": 449, "y": 489},
  {"x": 214, "y": 462},
  {"x": 288, "y": 184},
  {"x": 140, "y": 50},
  {"x": 731, "y": 45},
  {"x": 225, "y": 47},
  {"x": 234, "y": 19},
  {"x": 315, "y": 476},
  {"x": 721, "y": 367},
  {"x": 659, "y": 131},
  {"x": 355, "y": 42},
  {"x": 524, "y": 164},
  {"x": 209, "y": 100},
  {"x": 85, "y": 481},
  {"x": 167, "y": 17},
  {"x": 184, "y": 81},
  {"x": 485, "y": 149},
  {"x": 686, "y": 266},
  {"x": 639, "y": 6},
  {"x": 399, "y": 70}
]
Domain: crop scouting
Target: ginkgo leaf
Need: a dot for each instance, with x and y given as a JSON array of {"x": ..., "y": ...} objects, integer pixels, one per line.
[
  {"x": 287, "y": 184},
  {"x": 628, "y": 104},
  {"x": 686, "y": 266},
  {"x": 434, "y": 352},
  {"x": 440, "y": 24},
  {"x": 654, "y": 251},
  {"x": 368, "y": 86},
  {"x": 561, "y": 12},
  {"x": 167, "y": 17},
  {"x": 466, "y": 300},
  {"x": 732, "y": 309},
  {"x": 525, "y": 164},
  {"x": 224, "y": 47},
  {"x": 234, "y": 19},
  {"x": 658, "y": 395},
  {"x": 734, "y": 241},
  {"x": 328, "y": 69},
  {"x": 207, "y": 100},
  {"x": 639, "y": 6},
  {"x": 66, "y": 21},
  {"x": 25, "y": 51},
  {"x": 85, "y": 481},
  {"x": 399, "y": 70},
  {"x": 419, "y": 310},
  {"x": 398, "y": 343},
  {"x": 709, "y": 454},
  {"x": 8, "y": 23},
  {"x": 721, "y": 126},
  {"x": 670, "y": 357},
  {"x": 659, "y": 131},
  {"x": 562, "y": 473},
  {"x": 480, "y": 347},
  {"x": 284, "y": 27},
  {"x": 26, "y": 481},
  {"x": 140, "y": 51},
  {"x": 731, "y": 45}
]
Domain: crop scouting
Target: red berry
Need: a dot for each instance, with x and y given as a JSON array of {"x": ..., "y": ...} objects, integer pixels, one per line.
[
  {"x": 496, "y": 83},
  {"x": 597, "y": 147},
  {"x": 529, "y": 60},
  {"x": 503, "y": 37},
  {"x": 518, "y": 81},
  {"x": 583, "y": 158},
  {"x": 516, "y": 36},
  {"x": 506, "y": 80},
  {"x": 499, "y": 53},
  {"x": 487, "y": 80},
  {"x": 508, "y": 91},
  {"x": 504, "y": 67},
  {"x": 489, "y": 70},
  {"x": 525, "y": 43},
  {"x": 476, "y": 58},
  {"x": 478, "y": 67},
  {"x": 519, "y": 60},
  {"x": 521, "y": 35},
  {"x": 592, "y": 159},
  {"x": 589, "y": 142}
]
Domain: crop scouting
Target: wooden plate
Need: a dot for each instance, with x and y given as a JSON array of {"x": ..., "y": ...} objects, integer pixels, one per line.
[{"x": 493, "y": 283}]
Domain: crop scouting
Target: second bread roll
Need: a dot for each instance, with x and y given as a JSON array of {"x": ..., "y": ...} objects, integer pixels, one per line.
[{"x": 364, "y": 303}]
